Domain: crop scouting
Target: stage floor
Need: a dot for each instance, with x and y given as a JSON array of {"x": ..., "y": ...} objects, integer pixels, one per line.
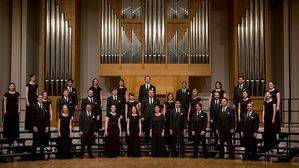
[{"x": 146, "y": 162}]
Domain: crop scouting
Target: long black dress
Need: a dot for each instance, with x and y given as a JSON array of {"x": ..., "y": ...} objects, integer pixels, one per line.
[
  {"x": 47, "y": 105},
  {"x": 169, "y": 106},
  {"x": 277, "y": 125},
  {"x": 121, "y": 93},
  {"x": 64, "y": 144},
  {"x": 97, "y": 96},
  {"x": 193, "y": 102},
  {"x": 11, "y": 119},
  {"x": 32, "y": 99},
  {"x": 157, "y": 123},
  {"x": 112, "y": 143},
  {"x": 269, "y": 133},
  {"x": 134, "y": 139}
]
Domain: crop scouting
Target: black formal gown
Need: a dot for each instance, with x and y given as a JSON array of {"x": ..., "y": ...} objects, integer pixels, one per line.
[
  {"x": 11, "y": 119},
  {"x": 97, "y": 96},
  {"x": 269, "y": 132},
  {"x": 157, "y": 125},
  {"x": 193, "y": 102},
  {"x": 169, "y": 106},
  {"x": 32, "y": 99},
  {"x": 277, "y": 124},
  {"x": 130, "y": 104},
  {"x": 134, "y": 139},
  {"x": 121, "y": 93},
  {"x": 112, "y": 142},
  {"x": 64, "y": 145}
]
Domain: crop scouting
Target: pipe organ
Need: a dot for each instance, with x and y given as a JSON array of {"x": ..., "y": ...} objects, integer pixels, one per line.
[
  {"x": 251, "y": 47},
  {"x": 58, "y": 52},
  {"x": 178, "y": 9}
]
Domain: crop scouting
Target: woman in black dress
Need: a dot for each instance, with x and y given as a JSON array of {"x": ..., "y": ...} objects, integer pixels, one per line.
[
  {"x": 157, "y": 133},
  {"x": 112, "y": 133},
  {"x": 122, "y": 94},
  {"x": 31, "y": 98},
  {"x": 47, "y": 104},
  {"x": 134, "y": 133},
  {"x": 275, "y": 94},
  {"x": 242, "y": 111},
  {"x": 195, "y": 99},
  {"x": 97, "y": 95},
  {"x": 218, "y": 88},
  {"x": 269, "y": 112},
  {"x": 129, "y": 104},
  {"x": 11, "y": 113},
  {"x": 64, "y": 143},
  {"x": 168, "y": 106}
]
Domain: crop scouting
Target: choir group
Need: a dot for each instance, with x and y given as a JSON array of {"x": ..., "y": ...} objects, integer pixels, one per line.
[{"x": 162, "y": 125}]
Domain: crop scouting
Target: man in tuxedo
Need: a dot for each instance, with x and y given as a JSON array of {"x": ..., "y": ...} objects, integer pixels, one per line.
[
  {"x": 177, "y": 128},
  {"x": 65, "y": 100},
  {"x": 94, "y": 105},
  {"x": 249, "y": 131},
  {"x": 147, "y": 111},
  {"x": 238, "y": 91},
  {"x": 73, "y": 95},
  {"x": 114, "y": 100},
  {"x": 87, "y": 129},
  {"x": 41, "y": 127},
  {"x": 143, "y": 89},
  {"x": 198, "y": 127},
  {"x": 214, "y": 107},
  {"x": 225, "y": 128},
  {"x": 184, "y": 96}
]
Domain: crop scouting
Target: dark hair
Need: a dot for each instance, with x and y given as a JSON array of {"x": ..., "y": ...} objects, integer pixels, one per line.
[
  {"x": 241, "y": 76},
  {"x": 272, "y": 83},
  {"x": 88, "y": 105},
  {"x": 199, "y": 104},
  {"x": 158, "y": 106},
  {"x": 224, "y": 98},
  {"x": 70, "y": 80},
  {"x": 11, "y": 83},
  {"x": 94, "y": 80},
  {"x": 135, "y": 108},
  {"x": 177, "y": 101},
  {"x": 131, "y": 94},
  {"x": 31, "y": 75},
  {"x": 184, "y": 82},
  {"x": 218, "y": 82},
  {"x": 147, "y": 76},
  {"x": 169, "y": 95}
]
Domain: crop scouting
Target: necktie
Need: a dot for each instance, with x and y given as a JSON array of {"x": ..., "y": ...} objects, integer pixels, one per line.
[
  {"x": 151, "y": 100},
  {"x": 91, "y": 100},
  {"x": 184, "y": 90},
  {"x": 40, "y": 105},
  {"x": 114, "y": 97},
  {"x": 147, "y": 86}
]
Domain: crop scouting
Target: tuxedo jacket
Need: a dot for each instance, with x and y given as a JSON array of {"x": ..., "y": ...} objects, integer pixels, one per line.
[
  {"x": 94, "y": 104},
  {"x": 40, "y": 117},
  {"x": 214, "y": 107},
  {"x": 117, "y": 103},
  {"x": 250, "y": 124},
  {"x": 74, "y": 96},
  {"x": 238, "y": 93},
  {"x": 87, "y": 123},
  {"x": 147, "y": 109},
  {"x": 184, "y": 98},
  {"x": 199, "y": 122},
  {"x": 62, "y": 101},
  {"x": 225, "y": 120},
  {"x": 177, "y": 120},
  {"x": 143, "y": 92}
]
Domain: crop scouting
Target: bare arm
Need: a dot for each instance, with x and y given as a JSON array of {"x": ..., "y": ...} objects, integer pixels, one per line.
[
  {"x": 274, "y": 113},
  {"x": 26, "y": 96},
  {"x": 58, "y": 127},
  {"x": 106, "y": 124},
  {"x": 263, "y": 117},
  {"x": 239, "y": 111},
  {"x": 19, "y": 105},
  {"x": 210, "y": 99},
  {"x": 119, "y": 125},
  {"x": 128, "y": 125},
  {"x": 51, "y": 114},
  {"x": 70, "y": 125},
  {"x": 278, "y": 101},
  {"x": 4, "y": 104},
  {"x": 101, "y": 98}
]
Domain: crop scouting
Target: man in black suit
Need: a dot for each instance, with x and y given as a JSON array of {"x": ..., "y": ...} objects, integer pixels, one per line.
[
  {"x": 249, "y": 131},
  {"x": 147, "y": 111},
  {"x": 214, "y": 107},
  {"x": 73, "y": 95},
  {"x": 41, "y": 127},
  {"x": 238, "y": 91},
  {"x": 198, "y": 127},
  {"x": 225, "y": 128},
  {"x": 94, "y": 105},
  {"x": 184, "y": 96},
  {"x": 177, "y": 128},
  {"x": 114, "y": 100},
  {"x": 143, "y": 89},
  {"x": 65, "y": 100},
  {"x": 87, "y": 129}
]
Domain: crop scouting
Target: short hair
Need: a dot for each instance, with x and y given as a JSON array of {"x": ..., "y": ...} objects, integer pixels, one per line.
[
  {"x": 224, "y": 98},
  {"x": 199, "y": 104},
  {"x": 31, "y": 75},
  {"x": 241, "y": 76},
  {"x": 177, "y": 101},
  {"x": 131, "y": 94},
  {"x": 70, "y": 80},
  {"x": 184, "y": 82},
  {"x": 147, "y": 76}
]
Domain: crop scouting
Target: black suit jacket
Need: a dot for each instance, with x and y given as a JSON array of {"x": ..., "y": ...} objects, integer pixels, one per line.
[
  {"x": 87, "y": 123},
  {"x": 147, "y": 109},
  {"x": 143, "y": 92},
  {"x": 94, "y": 105},
  {"x": 214, "y": 107},
  {"x": 117, "y": 103},
  {"x": 61, "y": 102},
  {"x": 40, "y": 117},
  {"x": 74, "y": 96},
  {"x": 250, "y": 124},
  {"x": 177, "y": 120},
  {"x": 184, "y": 98},
  {"x": 238, "y": 93},
  {"x": 199, "y": 122},
  {"x": 225, "y": 120}
]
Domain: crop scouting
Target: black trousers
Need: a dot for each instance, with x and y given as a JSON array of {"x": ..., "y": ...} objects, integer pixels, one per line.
[
  {"x": 197, "y": 139},
  {"x": 226, "y": 136},
  {"x": 146, "y": 128},
  {"x": 87, "y": 139},
  {"x": 250, "y": 144},
  {"x": 40, "y": 139},
  {"x": 177, "y": 138}
]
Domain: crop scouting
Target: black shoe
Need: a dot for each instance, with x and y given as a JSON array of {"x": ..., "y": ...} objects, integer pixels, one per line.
[{"x": 91, "y": 157}]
